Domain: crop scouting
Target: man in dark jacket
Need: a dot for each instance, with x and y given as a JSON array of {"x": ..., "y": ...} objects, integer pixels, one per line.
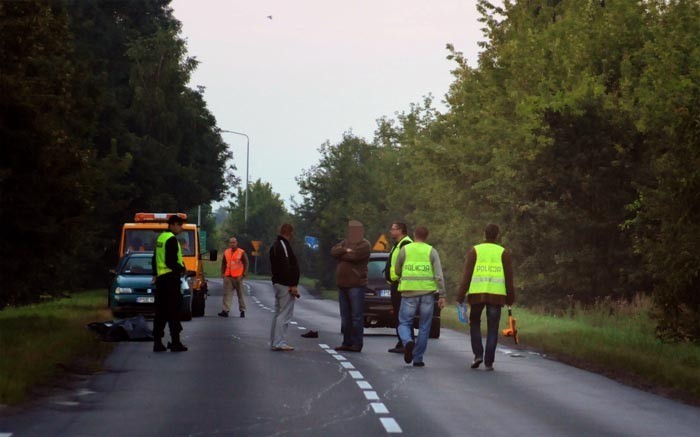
[
  {"x": 488, "y": 283},
  {"x": 285, "y": 279},
  {"x": 168, "y": 267},
  {"x": 351, "y": 277},
  {"x": 399, "y": 232}
]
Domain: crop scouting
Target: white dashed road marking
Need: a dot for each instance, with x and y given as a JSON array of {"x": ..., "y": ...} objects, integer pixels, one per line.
[
  {"x": 390, "y": 425},
  {"x": 371, "y": 395},
  {"x": 364, "y": 385},
  {"x": 293, "y": 323},
  {"x": 379, "y": 408}
]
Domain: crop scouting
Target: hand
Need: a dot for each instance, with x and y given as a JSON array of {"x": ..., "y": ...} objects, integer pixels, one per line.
[
  {"x": 441, "y": 302},
  {"x": 294, "y": 291},
  {"x": 348, "y": 250},
  {"x": 153, "y": 279}
]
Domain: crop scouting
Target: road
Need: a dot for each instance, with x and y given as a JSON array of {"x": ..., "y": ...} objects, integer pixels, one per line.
[{"x": 231, "y": 384}]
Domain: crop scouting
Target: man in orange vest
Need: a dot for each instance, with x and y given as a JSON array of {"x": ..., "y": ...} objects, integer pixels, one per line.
[{"x": 234, "y": 266}]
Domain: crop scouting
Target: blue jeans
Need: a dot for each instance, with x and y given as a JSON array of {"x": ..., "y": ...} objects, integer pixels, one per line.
[
  {"x": 352, "y": 307},
  {"x": 493, "y": 318},
  {"x": 424, "y": 305}
]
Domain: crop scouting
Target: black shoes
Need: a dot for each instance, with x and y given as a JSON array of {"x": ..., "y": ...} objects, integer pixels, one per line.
[
  {"x": 477, "y": 362},
  {"x": 177, "y": 347},
  {"x": 310, "y": 334},
  {"x": 224, "y": 314},
  {"x": 408, "y": 352},
  {"x": 421, "y": 364},
  {"x": 158, "y": 345},
  {"x": 398, "y": 349},
  {"x": 242, "y": 314},
  {"x": 348, "y": 348}
]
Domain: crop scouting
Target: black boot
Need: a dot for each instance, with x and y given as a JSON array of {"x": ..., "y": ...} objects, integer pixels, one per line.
[
  {"x": 176, "y": 345},
  {"x": 158, "y": 345}
]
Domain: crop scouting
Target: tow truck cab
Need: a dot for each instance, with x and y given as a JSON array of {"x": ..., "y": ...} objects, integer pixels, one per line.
[{"x": 141, "y": 235}]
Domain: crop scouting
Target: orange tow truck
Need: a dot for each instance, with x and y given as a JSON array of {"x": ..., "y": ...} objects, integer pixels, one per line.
[{"x": 141, "y": 235}]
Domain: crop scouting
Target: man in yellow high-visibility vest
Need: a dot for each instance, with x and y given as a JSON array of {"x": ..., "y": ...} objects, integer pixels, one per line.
[
  {"x": 168, "y": 267},
  {"x": 420, "y": 276},
  {"x": 399, "y": 232},
  {"x": 488, "y": 279}
]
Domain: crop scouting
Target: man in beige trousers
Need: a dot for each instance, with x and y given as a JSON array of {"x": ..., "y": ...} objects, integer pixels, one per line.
[{"x": 234, "y": 266}]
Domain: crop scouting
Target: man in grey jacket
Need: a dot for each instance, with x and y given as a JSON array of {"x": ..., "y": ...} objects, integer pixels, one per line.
[{"x": 420, "y": 276}]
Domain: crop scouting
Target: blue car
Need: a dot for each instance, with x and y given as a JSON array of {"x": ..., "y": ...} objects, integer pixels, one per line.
[{"x": 132, "y": 292}]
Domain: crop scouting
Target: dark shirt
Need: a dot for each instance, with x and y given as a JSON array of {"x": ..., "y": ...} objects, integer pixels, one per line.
[
  {"x": 491, "y": 299},
  {"x": 283, "y": 262},
  {"x": 171, "y": 248}
]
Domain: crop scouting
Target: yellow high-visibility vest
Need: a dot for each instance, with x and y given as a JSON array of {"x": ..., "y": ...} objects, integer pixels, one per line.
[
  {"x": 417, "y": 272},
  {"x": 488, "y": 276},
  {"x": 161, "y": 267}
]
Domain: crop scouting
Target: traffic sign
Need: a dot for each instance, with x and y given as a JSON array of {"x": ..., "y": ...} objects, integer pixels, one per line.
[
  {"x": 256, "y": 244},
  {"x": 382, "y": 244},
  {"x": 202, "y": 241}
]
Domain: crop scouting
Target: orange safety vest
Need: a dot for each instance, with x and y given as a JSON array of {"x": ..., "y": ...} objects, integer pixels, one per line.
[{"x": 234, "y": 263}]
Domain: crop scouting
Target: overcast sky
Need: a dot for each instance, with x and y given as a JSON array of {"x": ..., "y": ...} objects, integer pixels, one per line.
[{"x": 318, "y": 68}]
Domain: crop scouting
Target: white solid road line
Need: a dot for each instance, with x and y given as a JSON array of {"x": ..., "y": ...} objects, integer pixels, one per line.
[
  {"x": 390, "y": 425},
  {"x": 379, "y": 408}
]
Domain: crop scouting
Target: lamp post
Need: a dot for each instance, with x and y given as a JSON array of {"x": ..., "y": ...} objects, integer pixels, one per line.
[{"x": 247, "y": 162}]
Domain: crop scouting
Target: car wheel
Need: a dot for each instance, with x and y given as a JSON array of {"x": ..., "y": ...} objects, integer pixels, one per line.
[
  {"x": 435, "y": 328},
  {"x": 198, "y": 304}
]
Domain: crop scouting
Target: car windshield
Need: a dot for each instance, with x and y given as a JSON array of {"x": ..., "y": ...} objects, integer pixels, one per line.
[
  {"x": 375, "y": 269},
  {"x": 137, "y": 265},
  {"x": 144, "y": 240}
]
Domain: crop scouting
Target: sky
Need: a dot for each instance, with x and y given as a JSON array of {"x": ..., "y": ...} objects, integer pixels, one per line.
[{"x": 317, "y": 69}]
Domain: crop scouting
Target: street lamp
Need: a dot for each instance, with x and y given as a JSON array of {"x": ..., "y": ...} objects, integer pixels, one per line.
[{"x": 247, "y": 162}]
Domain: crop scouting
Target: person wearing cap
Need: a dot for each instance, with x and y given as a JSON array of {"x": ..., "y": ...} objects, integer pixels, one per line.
[
  {"x": 488, "y": 283},
  {"x": 168, "y": 266},
  {"x": 420, "y": 276},
  {"x": 352, "y": 255},
  {"x": 234, "y": 266}
]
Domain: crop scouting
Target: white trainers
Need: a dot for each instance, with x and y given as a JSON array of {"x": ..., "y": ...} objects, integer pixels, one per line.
[{"x": 283, "y": 348}]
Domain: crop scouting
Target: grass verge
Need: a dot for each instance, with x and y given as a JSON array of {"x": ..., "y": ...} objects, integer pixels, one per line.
[
  {"x": 614, "y": 339},
  {"x": 41, "y": 342}
]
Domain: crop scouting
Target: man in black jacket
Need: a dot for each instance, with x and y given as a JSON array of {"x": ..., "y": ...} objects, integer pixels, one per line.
[
  {"x": 168, "y": 267},
  {"x": 285, "y": 279}
]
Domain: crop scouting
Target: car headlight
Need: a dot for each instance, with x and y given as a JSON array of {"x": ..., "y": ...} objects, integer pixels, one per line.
[
  {"x": 384, "y": 293},
  {"x": 123, "y": 290}
]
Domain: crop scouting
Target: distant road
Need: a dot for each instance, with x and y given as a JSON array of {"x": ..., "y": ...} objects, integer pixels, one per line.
[{"x": 231, "y": 384}]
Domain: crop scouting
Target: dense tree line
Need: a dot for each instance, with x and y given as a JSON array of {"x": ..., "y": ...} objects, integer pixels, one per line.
[
  {"x": 96, "y": 123},
  {"x": 578, "y": 132}
]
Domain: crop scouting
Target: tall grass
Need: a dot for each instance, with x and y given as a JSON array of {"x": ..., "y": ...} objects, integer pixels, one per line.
[
  {"x": 615, "y": 338},
  {"x": 39, "y": 342}
]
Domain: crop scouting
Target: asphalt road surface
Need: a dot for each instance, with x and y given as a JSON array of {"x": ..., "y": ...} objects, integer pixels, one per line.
[{"x": 231, "y": 384}]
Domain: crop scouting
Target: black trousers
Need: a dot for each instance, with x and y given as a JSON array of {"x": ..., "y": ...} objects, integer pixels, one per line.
[
  {"x": 396, "y": 304},
  {"x": 168, "y": 303}
]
